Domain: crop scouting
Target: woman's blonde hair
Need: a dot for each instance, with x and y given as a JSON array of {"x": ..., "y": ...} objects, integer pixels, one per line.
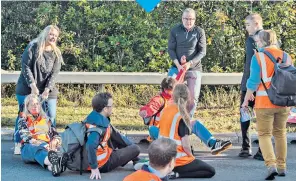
[
  {"x": 41, "y": 42},
  {"x": 28, "y": 100},
  {"x": 268, "y": 38},
  {"x": 181, "y": 96}
]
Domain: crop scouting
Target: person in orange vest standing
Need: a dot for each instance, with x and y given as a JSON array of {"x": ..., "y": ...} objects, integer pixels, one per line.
[
  {"x": 110, "y": 149},
  {"x": 39, "y": 138},
  {"x": 175, "y": 125},
  {"x": 271, "y": 119},
  {"x": 162, "y": 154}
]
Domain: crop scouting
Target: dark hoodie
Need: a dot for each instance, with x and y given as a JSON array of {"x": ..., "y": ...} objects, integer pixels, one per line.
[
  {"x": 93, "y": 138},
  {"x": 191, "y": 43},
  {"x": 250, "y": 47},
  {"x": 117, "y": 140}
]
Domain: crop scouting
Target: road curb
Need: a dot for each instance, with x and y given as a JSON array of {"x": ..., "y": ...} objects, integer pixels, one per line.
[{"x": 236, "y": 138}]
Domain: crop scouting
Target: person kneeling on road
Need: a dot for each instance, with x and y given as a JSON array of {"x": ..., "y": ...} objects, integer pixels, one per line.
[
  {"x": 153, "y": 110},
  {"x": 114, "y": 149},
  {"x": 39, "y": 139},
  {"x": 162, "y": 155}
]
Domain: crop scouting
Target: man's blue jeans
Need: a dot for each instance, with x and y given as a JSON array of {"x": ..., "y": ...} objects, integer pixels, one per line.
[
  {"x": 197, "y": 128},
  {"x": 49, "y": 106},
  {"x": 193, "y": 79}
]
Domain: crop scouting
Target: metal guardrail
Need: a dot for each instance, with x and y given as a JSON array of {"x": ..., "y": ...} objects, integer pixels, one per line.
[{"x": 126, "y": 78}]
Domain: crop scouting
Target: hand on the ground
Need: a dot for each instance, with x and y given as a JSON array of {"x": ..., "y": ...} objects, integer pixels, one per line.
[
  {"x": 95, "y": 174},
  {"x": 143, "y": 113},
  {"x": 34, "y": 89},
  {"x": 45, "y": 93}
]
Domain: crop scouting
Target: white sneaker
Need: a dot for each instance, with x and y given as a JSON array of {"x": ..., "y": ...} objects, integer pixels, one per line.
[
  {"x": 17, "y": 148},
  {"x": 139, "y": 165}
]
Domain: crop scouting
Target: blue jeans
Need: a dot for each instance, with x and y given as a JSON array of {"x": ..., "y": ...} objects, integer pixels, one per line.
[
  {"x": 34, "y": 153},
  {"x": 198, "y": 129},
  {"x": 193, "y": 79},
  {"x": 49, "y": 106}
]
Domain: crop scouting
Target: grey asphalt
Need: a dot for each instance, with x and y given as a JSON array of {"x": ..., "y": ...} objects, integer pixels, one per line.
[{"x": 229, "y": 167}]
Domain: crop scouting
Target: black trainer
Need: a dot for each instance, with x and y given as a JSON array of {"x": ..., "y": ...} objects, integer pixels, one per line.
[
  {"x": 173, "y": 175},
  {"x": 245, "y": 153},
  {"x": 258, "y": 155},
  {"x": 271, "y": 173},
  {"x": 220, "y": 146}
]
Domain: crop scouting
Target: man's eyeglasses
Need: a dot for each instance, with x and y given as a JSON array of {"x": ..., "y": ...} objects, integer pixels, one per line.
[
  {"x": 110, "y": 106},
  {"x": 189, "y": 19}
]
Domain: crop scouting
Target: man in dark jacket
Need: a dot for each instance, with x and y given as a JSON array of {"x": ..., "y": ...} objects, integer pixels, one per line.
[
  {"x": 118, "y": 151},
  {"x": 253, "y": 26},
  {"x": 187, "y": 45}
]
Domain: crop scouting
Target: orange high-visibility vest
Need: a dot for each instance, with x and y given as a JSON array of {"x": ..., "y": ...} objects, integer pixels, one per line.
[
  {"x": 168, "y": 128},
  {"x": 104, "y": 153},
  {"x": 142, "y": 175},
  {"x": 267, "y": 71},
  {"x": 155, "y": 119},
  {"x": 38, "y": 128}
]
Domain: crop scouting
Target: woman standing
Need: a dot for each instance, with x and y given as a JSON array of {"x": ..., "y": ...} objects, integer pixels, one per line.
[
  {"x": 41, "y": 63},
  {"x": 271, "y": 119}
]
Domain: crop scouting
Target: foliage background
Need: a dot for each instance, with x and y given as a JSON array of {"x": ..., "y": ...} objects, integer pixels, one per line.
[{"x": 121, "y": 36}]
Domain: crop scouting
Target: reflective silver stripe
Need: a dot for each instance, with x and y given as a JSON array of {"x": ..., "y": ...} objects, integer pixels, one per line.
[
  {"x": 289, "y": 60},
  {"x": 263, "y": 66},
  {"x": 173, "y": 126},
  {"x": 261, "y": 93},
  {"x": 102, "y": 156},
  {"x": 267, "y": 79},
  {"x": 176, "y": 141},
  {"x": 181, "y": 154},
  {"x": 157, "y": 118},
  {"x": 103, "y": 144}
]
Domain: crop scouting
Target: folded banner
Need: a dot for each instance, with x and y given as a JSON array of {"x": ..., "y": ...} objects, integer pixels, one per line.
[{"x": 148, "y": 5}]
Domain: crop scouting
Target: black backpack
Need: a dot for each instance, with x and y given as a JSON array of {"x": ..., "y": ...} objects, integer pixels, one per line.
[
  {"x": 73, "y": 143},
  {"x": 282, "y": 91}
]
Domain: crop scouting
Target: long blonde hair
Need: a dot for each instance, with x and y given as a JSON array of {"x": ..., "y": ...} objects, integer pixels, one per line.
[
  {"x": 181, "y": 96},
  {"x": 41, "y": 42},
  {"x": 268, "y": 38},
  {"x": 28, "y": 100}
]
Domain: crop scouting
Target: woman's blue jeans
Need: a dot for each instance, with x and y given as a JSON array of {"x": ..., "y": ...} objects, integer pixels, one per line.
[{"x": 49, "y": 106}]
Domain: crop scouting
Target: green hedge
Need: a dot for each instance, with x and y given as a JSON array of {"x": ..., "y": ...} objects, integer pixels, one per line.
[{"x": 121, "y": 36}]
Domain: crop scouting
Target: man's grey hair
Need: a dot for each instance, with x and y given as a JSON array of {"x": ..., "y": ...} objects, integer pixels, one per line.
[{"x": 190, "y": 11}]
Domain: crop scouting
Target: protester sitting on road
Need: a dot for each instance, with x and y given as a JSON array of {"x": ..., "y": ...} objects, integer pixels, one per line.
[
  {"x": 162, "y": 154},
  {"x": 111, "y": 149},
  {"x": 271, "y": 119},
  {"x": 175, "y": 124},
  {"x": 39, "y": 139},
  {"x": 153, "y": 110}
]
